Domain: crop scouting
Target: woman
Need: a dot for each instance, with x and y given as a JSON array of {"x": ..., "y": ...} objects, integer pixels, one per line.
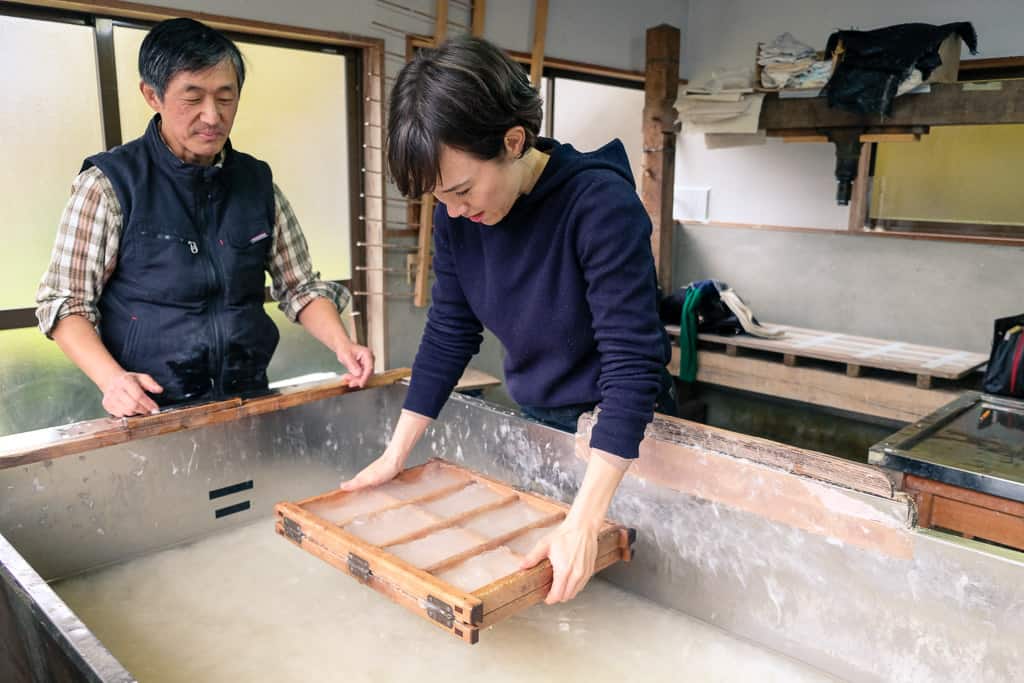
[{"x": 549, "y": 249}]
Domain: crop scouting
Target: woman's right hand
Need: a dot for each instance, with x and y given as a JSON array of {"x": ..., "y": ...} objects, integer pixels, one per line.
[
  {"x": 381, "y": 470},
  {"x": 408, "y": 431}
]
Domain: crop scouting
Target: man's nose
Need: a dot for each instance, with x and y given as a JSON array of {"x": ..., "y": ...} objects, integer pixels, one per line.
[{"x": 209, "y": 114}]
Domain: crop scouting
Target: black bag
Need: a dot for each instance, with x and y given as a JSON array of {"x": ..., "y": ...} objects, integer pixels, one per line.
[
  {"x": 713, "y": 315},
  {"x": 1005, "y": 372}
]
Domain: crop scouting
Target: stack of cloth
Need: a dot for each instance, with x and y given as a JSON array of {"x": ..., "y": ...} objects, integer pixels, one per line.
[
  {"x": 788, "y": 63},
  {"x": 726, "y": 103}
]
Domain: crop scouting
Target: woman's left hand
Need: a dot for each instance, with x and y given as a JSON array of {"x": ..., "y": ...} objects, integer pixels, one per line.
[{"x": 572, "y": 551}]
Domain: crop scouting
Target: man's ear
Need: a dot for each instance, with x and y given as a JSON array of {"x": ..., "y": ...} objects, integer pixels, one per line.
[{"x": 149, "y": 94}]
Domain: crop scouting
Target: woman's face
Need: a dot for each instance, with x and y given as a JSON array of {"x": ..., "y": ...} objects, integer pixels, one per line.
[{"x": 482, "y": 191}]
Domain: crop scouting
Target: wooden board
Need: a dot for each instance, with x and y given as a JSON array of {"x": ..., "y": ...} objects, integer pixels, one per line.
[
  {"x": 52, "y": 442},
  {"x": 476, "y": 379},
  {"x": 342, "y": 541},
  {"x": 858, "y": 352},
  {"x": 973, "y": 514},
  {"x": 895, "y": 400}
]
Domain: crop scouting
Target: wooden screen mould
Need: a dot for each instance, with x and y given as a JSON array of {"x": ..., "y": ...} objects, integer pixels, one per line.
[{"x": 442, "y": 541}]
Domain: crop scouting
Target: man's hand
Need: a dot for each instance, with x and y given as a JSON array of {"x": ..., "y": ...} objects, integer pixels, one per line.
[
  {"x": 125, "y": 394},
  {"x": 572, "y": 551},
  {"x": 358, "y": 360}
]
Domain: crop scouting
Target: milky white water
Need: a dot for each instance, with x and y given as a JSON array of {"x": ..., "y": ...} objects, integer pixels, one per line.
[{"x": 247, "y": 605}]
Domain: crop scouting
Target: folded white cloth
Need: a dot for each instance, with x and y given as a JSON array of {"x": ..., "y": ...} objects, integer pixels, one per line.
[
  {"x": 746, "y": 316},
  {"x": 785, "y": 46}
]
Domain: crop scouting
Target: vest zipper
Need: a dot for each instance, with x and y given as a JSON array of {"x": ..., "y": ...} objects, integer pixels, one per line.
[{"x": 217, "y": 352}]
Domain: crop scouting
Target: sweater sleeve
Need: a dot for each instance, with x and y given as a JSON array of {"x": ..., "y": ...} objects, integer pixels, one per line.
[
  {"x": 452, "y": 336},
  {"x": 613, "y": 242}
]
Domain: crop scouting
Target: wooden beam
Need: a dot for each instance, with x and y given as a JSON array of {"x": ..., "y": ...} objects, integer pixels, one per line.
[
  {"x": 540, "y": 29},
  {"x": 659, "y": 135},
  {"x": 415, "y": 41},
  {"x": 441, "y": 22},
  {"x": 821, "y": 494},
  {"x": 426, "y": 236},
  {"x": 478, "y": 12},
  {"x": 857, "y": 217},
  {"x": 948, "y": 104},
  {"x": 155, "y": 13}
]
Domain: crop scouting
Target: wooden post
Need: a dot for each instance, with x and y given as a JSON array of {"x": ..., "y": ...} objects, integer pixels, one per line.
[
  {"x": 661, "y": 88},
  {"x": 540, "y": 29},
  {"x": 441, "y": 22},
  {"x": 858, "y": 215},
  {"x": 373, "y": 208},
  {"x": 478, "y": 13},
  {"x": 426, "y": 203},
  {"x": 423, "y": 252}
]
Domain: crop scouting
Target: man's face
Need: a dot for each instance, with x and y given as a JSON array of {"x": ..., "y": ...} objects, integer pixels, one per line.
[{"x": 197, "y": 111}]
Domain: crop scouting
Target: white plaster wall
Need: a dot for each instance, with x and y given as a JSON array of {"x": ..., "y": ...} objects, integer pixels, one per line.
[
  {"x": 940, "y": 293},
  {"x": 789, "y": 183}
]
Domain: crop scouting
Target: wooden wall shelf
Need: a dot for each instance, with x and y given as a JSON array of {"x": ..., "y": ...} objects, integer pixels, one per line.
[{"x": 948, "y": 104}]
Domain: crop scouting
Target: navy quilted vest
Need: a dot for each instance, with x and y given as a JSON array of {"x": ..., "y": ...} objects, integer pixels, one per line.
[{"x": 185, "y": 302}]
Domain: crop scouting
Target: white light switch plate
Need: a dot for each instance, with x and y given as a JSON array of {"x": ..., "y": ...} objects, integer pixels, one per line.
[{"x": 691, "y": 204}]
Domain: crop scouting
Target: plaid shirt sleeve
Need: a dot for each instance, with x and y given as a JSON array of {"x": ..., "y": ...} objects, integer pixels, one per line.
[
  {"x": 84, "y": 254},
  {"x": 294, "y": 283}
]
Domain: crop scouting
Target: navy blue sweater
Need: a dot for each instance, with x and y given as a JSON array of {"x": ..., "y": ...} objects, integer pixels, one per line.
[{"x": 566, "y": 282}]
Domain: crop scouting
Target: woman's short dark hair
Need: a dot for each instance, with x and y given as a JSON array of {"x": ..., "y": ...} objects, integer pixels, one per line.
[
  {"x": 177, "y": 45},
  {"x": 465, "y": 94}
]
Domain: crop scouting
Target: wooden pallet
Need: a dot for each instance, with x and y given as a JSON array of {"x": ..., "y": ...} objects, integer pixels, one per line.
[
  {"x": 856, "y": 353},
  {"x": 342, "y": 541}
]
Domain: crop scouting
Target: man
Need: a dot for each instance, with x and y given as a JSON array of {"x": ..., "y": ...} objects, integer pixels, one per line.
[{"x": 165, "y": 240}]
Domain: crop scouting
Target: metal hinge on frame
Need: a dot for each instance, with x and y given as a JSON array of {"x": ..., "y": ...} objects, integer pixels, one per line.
[
  {"x": 292, "y": 530},
  {"x": 359, "y": 568},
  {"x": 440, "y": 611}
]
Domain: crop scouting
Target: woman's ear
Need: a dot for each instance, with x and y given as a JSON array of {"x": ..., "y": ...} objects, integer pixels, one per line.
[{"x": 515, "y": 142}]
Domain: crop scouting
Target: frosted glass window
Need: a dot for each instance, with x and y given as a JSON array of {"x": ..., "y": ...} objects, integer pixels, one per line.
[
  {"x": 40, "y": 386},
  {"x": 589, "y": 115},
  {"x": 49, "y": 122},
  {"x": 293, "y": 115},
  {"x": 957, "y": 174}
]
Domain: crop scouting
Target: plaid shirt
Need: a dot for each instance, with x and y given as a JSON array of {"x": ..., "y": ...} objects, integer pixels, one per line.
[{"x": 85, "y": 255}]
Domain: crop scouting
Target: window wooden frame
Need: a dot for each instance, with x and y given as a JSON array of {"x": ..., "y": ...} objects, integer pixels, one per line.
[{"x": 364, "y": 57}]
